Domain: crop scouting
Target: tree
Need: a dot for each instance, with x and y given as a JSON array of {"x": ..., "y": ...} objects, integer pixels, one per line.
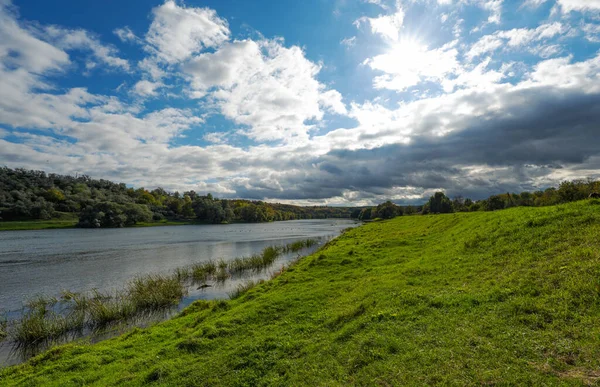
[
  {"x": 365, "y": 214},
  {"x": 355, "y": 213},
  {"x": 54, "y": 195},
  {"x": 439, "y": 203},
  {"x": 495, "y": 203},
  {"x": 387, "y": 210}
]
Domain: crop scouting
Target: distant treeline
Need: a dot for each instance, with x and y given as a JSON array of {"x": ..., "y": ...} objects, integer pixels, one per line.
[
  {"x": 30, "y": 195},
  {"x": 439, "y": 203}
]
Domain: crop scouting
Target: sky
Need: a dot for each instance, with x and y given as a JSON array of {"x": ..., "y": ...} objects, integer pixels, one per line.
[{"x": 313, "y": 102}]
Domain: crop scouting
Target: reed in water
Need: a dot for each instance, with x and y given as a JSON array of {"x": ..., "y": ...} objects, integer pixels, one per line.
[{"x": 48, "y": 318}]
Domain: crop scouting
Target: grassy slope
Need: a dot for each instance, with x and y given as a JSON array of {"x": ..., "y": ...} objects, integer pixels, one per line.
[{"x": 510, "y": 297}]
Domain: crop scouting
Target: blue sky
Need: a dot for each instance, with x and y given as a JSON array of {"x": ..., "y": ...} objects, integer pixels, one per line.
[{"x": 341, "y": 102}]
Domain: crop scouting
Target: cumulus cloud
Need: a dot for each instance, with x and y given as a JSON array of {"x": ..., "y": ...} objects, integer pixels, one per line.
[
  {"x": 492, "y": 125},
  {"x": 409, "y": 63},
  {"x": 508, "y": 138},
  {"x": 176, "y": 33},
  {"x": 146, "y": 88},
  {"x": 388, "y": 26},
  {"x": 270, "y": 88}
]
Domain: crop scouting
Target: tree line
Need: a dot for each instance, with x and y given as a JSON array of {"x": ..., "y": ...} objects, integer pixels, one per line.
[
  {"x": 36, "y": 195},
  {"x": 439, "y": 203}
]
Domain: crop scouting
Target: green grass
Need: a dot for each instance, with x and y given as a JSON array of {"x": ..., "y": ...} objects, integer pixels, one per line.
[
  {"x": 70, "y": 220},
  {"x": 499, "y": 298},
  {"x": 37, "y": 224}
]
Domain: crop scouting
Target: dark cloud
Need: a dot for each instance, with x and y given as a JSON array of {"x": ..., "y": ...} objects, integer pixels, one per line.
[{"x": 519, "y": 148}]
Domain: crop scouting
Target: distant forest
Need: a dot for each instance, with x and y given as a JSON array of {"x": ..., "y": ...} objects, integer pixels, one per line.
[
  {"x": 36, "y": 195},
  {"x": 439, "y": 203}
]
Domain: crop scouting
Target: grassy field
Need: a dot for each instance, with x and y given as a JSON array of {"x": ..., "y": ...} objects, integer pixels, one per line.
[
  {"x": 504, "y": 298},
  {"x": 70, "y": 222}
]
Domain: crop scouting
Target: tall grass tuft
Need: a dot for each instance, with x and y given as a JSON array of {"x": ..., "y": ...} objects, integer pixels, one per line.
[
  {"x": 102, "y": 312},
  {"x": 222, "y": 275},
  {"x": 200, "y": 272},
  {"x": 45, "y": 318},
  {"x": 3, "y": 328},
  {"x": 270, "y": 254},
  {"x": 155, "y": 292},
  {"x": 40, "y": 303},
  {"x": 294, "y": 247},
  {"x": 182, "y": 273},
  {"x": 38, "y": 325}
]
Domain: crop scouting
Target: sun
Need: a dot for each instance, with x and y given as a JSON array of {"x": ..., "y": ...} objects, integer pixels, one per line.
[{"x": 408, "y": 61}]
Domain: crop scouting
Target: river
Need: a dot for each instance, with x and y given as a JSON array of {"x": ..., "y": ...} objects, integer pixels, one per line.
[
  {"x": 47, "y": 262},
  {"x": 50, "y": 261}
]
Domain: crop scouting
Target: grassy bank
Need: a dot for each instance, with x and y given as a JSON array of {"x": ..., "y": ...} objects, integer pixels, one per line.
[
  {"x": 72, "y": 222},
  {"x": 63, "y": 220},
  {"x": 509, "y": 297}
]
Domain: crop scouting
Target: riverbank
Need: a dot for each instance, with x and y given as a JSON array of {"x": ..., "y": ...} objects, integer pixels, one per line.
[
  {"x": 508, "y": 297},
  {"x": 72, "y": 223}
]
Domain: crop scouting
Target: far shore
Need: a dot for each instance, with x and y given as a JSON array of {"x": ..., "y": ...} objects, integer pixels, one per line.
[{"x": 60, "y": 223}]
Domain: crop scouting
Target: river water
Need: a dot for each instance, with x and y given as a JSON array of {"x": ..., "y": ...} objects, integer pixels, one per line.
[{"x": 50, "y": 261}]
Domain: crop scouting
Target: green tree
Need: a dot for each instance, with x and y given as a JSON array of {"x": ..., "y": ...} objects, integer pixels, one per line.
[
  {"x": 388, "y": 210},
  {"x": 439, "y": 203},
  {"x": 495, "y": 203}
]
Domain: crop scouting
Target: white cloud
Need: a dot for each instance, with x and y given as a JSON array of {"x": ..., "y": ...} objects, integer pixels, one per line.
[
  {"x": 151, "y": 68},
  {"x": 515, "y": 38},
  {"x": 591, "y": 32},
  {"x": 409, "y": 63},
  {"x": 215, "y": 137},
  {"x": 271, "y": 92},
  {"x": 349, "y": 42},
  {"x": 495, "y": 9},
  {"x": 579, "y": 5},
  {"x": 34, "y": 55},
  {"x": 487, "y": 43},
  {"x": 176, "y": 33},
  {"x": 533, "y": 3},
  {"x": 546, "y": 51},
  {"x": 146, "y": 88},
  {"x": 379, "y": 3},
  {"x": 479, "y": 77},
  {"x": 82, "y": 40},
  {"x": 331, "y": 100},
  {"x": 268, "y": 87},
  {"x": 560, "y": 72},
  {"x": 126, "y": 35},
  {"x": 388, "y": 26}
]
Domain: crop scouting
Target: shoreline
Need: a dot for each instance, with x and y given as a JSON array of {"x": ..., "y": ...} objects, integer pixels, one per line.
[{"x": 31, "y": 225}]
